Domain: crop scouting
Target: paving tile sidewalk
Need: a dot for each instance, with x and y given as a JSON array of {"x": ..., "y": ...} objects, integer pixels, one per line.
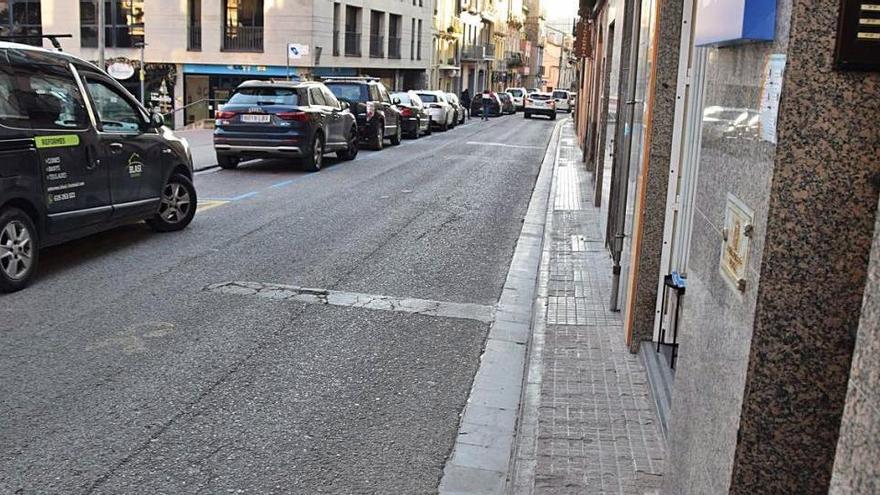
[{"x": 587, "y": 424}]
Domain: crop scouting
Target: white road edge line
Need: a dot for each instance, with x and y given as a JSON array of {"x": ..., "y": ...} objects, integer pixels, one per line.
[{"x": 504, "y": 145}]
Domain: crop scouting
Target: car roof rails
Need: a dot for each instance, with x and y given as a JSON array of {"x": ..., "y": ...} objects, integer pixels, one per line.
[
  {"x": 53, "y": 38},
  {"x": 351, "y": 78}
]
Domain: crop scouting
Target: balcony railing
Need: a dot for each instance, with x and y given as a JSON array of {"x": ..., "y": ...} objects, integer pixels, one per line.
[
  {"x": 377, "y": 46},
  {"x": 478, "y": 52},
  {"x": 394, "y": 47},
  {"x": 243, "y": 39},
  {"x": 515, "y": 59},
  {"x": 194, "y": 39},
  {"x": 336, "y": 43},
  {"x": 352, "y": 44}
]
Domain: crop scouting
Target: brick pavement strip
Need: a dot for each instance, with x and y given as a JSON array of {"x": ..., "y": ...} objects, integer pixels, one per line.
[{"x": 586, "y": 422}]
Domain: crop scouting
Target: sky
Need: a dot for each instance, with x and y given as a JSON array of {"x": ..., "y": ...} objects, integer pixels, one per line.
[{"x": 561, "y": 13}]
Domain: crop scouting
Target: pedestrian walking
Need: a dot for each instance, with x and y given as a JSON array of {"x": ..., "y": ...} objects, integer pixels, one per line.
[{"x": 487, "y": 103}]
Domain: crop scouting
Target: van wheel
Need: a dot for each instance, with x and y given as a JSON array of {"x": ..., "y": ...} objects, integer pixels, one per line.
[
  {"x": 177, "y": 207},
  {"x": 19, "y": 250},
  {"x": 315, "y": 159},
  {"x": 378, "y": 138},
  {"x": 227, "y": 162},
  {"x": 352, "y": 151},
  {"x": 430, "y": 127},
  {"x": 396, "y": 138},
  {"x": 527, "y": 115}
]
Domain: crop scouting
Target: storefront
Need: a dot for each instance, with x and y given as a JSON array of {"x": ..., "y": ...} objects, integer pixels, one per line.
[{"x": 206, "y": 86}]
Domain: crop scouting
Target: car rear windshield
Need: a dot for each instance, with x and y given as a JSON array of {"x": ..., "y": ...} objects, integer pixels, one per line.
[
  {"x": 265, "y": 96},
  {"x": 428, "y": 97},
  {"x": 349, "y": 92},
  {"x": 538, "y": 96},
  {"x": 560, "y": 94},
  {"x": 515, "y": 92},
  {"x": 404, "y": 98}
]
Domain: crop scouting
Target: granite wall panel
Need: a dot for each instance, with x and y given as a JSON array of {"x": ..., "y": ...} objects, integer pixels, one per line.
[{"x": 857, "y": 461}]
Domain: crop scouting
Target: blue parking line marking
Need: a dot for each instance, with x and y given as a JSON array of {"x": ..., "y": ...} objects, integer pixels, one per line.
[
  {"x": 282, "y": 183},
  {"x": 237, "y": 198}
]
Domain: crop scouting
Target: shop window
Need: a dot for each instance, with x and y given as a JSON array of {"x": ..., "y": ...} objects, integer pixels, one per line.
[
  {"x": 21, "y": 18},
  {"x": 123, "y": 23}
]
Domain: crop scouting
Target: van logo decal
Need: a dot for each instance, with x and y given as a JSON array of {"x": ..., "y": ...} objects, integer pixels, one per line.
[
  {"x": 135, "y": 166},
  {"x": 62, "y": 141}
]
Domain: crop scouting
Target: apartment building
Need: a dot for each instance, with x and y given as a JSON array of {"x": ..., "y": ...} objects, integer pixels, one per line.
[
  {"x": 197, "y": 51},
  {"x": 536, "y": 38}
]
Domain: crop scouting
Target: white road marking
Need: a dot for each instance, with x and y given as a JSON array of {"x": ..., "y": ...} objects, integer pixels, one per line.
[
  {"x": 426, "y": 307},
  {"x": 504, "y": 145}
]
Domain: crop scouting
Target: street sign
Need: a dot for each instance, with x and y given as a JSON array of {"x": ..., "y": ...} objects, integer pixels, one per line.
[{"x": 295, "y": 51}]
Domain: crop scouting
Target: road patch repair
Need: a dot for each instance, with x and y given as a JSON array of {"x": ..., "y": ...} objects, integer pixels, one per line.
[{"x": 279, "y": 292}]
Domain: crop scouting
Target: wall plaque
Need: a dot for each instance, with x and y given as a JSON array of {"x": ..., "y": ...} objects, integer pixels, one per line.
[
  {"x": 858, "y": 35},
  {"x": 737, "y": 235}
]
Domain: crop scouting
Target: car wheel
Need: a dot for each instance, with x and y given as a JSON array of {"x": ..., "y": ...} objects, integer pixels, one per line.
[
  {"x": 527, "y": 115},
  {"x": 418, "y": 132},
  {"x": 553, "y": 116},
  {"x": 351, "y": 152},
  {"x": 430, "y": 129},
  {"x": 378, "y": 139},
  {"x": 177, "y": 207},
  {"x": 315, "y": 159},
  {"x": 19, "y": 250},
  {"x": 227, "y": 162},
  {"x": 445, "y": 126},
  {"x": 396, "y": 138}
]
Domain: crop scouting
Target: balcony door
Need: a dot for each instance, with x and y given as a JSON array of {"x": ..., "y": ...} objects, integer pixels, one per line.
[{"x": 243, "y": 22}]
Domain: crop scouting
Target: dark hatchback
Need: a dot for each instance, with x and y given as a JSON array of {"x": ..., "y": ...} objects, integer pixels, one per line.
[
  {"x": 377, "y": 117},
  {"x": 268, "y": 119},
  {"x": 494, "y": 106},
  {"x": 79, "y": 155},
  {"x": 414, "y": 117}
]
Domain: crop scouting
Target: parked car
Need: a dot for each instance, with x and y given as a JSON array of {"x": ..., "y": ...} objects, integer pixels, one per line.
[
  {"x": 377, "y": 117},
  {"x": 563, "y": 100},
  {"x": 283, "y": 119},
  {"x": 532, "y": 90},
  {"x": 460, "y": 110},
  {"x": 540, "y": 104},
  {"x": 442, "y": 113},
  {"x": 507, "y": 106},
  {"x": 79, "y": 155},
  {"x": 494, "y": 105},
  {"x": 519, "y": 97},
  {"x": 414, "y": 117}
]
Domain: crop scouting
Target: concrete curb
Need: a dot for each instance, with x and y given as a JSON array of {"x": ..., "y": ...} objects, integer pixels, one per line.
[{"x": 481, "y": 457}]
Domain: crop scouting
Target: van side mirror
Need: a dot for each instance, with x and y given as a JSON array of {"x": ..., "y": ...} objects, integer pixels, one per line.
[
  {"x": 395, "y": 100},
  {"x": 344, "y": 105},
  {"x": 156, "y": 119}
]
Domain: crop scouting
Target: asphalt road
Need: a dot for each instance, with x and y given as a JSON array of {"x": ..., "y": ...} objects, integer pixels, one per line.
[{"x": 122, "y": 374}]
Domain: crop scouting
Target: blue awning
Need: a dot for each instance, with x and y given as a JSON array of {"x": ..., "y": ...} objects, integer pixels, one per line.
[{"x": 240, "y": 70}]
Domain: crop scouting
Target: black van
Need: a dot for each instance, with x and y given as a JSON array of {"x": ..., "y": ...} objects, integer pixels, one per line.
[{"x": 78, "y": 155}]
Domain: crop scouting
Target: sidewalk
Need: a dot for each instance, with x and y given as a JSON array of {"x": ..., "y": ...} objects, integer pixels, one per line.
[{"x": 587, "y": 424}]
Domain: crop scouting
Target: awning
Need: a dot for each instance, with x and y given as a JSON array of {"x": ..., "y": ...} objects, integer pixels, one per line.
[{"x": 240, "y": 70}]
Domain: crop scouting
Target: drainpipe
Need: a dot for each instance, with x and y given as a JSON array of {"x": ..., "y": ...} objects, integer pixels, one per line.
[{"x": 623, "y": 176}]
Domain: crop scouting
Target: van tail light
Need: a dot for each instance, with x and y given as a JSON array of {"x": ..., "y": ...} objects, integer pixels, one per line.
[
  {"x": 224, "y": 114},
  {"x": 371, "y": 110},
  {"x": 406, "y": 112},
  {"x": 293, "y": 116}
]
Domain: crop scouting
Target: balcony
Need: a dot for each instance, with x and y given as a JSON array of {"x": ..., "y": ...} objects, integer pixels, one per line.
[
  {"x": 394, "y": 47},
  {"x": 515, "y": 59},
  {"x": 377, "y": 46},
  {"x": 478, "y": 52},
  {"x": 352, "y": 44},
  {"x": 243, "y": 39},
  {"x": 194, "y": 39}
]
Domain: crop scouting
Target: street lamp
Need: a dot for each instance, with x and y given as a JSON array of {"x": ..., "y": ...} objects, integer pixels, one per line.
[{"x": 143, "y": 71}]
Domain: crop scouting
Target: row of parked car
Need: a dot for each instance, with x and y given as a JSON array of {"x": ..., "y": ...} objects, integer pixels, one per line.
[
  {"x": 306, "y": 120},
  {"x": 529, "y": 101}
]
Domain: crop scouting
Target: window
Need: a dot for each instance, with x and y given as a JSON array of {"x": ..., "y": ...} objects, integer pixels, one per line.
[
  {"x": 243, "y": 25},
  {"x": 265, "y": 96},
  {"x": 377, "y": 27},
  {"x": 336, "y": 9},
  {"x": 329, "y": 97},
  {"x": 412, "y": 41},
  {"x": 316, "y": 97},
  {"x": 115, "y": 113},
  {"x": 194, "y": 25},
  {"x": 428, "y": 98},
  {"x": 349, "y": 92},
  {"x": 383, "y": 93},
  {"x": 352, "y": 31},
  {"x": 394, "y": 24},
  {"x": 20, "y": 18},
  {"x": 48, "y": 99},
  {"x": 419, "y": 45},
  {"x": 404, "y": 98},
  {"x": 123, "y": 23}
]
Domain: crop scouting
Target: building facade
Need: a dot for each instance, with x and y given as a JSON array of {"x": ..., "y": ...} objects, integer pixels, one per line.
[
  {"x": 733, "y": 177},
  {"x": 197, "y": 51}
]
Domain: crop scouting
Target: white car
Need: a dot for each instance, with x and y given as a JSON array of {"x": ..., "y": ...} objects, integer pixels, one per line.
[
  {"x": 563, "y": 100},
  {"x": 518, "y": 95},
  {"x": 460, "y": 110},
  {"x": 540, "y": 104},
  {"x": 442, "y": 113}
]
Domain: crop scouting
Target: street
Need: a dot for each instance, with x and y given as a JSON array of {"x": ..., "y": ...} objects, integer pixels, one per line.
[{"x": 135, "y": 364}]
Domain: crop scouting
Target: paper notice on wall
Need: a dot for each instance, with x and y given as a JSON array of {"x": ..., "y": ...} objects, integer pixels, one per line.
[{"x": 770, "y": 94}]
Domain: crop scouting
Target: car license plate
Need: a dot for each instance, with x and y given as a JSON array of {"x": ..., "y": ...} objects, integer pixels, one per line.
[{"x": 256, "y": 119}]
